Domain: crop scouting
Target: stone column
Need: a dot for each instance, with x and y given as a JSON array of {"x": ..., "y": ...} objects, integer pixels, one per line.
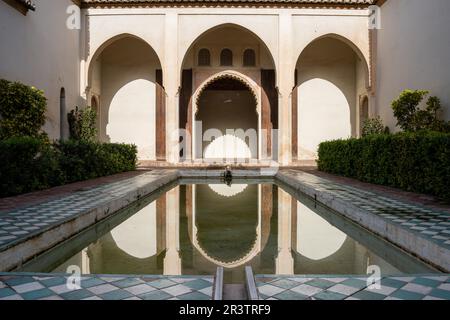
[
  {"x": 285, "y": 86},
  {"x": 161, "y": 224},
  {"x": 284, "y": 262},
  {"x": 172, "y": 260},
  {"x": 171, "y": 81},
  {"x": 85, "y": 263}
]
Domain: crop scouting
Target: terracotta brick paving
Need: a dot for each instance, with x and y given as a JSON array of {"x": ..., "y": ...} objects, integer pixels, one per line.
[{"x": 10, "y": 203}]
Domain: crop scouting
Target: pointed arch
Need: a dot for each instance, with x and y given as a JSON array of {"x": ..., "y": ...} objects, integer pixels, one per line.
[{"x": 92, "y": 58}]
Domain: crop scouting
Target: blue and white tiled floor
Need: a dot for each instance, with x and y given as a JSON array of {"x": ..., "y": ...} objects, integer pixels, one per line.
[
  {"x": 54, "y": 287},
  {"x": 420, "y": 287}
]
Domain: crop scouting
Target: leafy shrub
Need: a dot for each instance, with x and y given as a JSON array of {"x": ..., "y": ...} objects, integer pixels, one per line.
[
  {"x": 22, "y": 110},
  {"x": 411, "y": 118},
  {"x": 418, "y": 162},
  {"x": 373, "y": 126},
  {"x": 29, "y": 163},
  {"x": 82, "y": 124}
]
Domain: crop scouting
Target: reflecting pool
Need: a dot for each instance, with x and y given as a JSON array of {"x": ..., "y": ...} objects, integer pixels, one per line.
[{"x": 192, "y": 228}]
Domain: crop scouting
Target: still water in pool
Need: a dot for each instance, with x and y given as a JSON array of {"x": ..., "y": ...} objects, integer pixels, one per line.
[{"x": 193, "y": 228}]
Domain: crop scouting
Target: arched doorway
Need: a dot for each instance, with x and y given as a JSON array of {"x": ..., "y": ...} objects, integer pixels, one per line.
[
  {"x": 230, "y": 49},
  {"x": 331, "y": 75},
  {"x": 226, "y": 121},
  {"x": 126, "y": 75}
]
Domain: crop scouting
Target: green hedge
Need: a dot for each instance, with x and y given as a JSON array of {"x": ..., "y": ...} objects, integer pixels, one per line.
[
  {"x": 418, "y": 162},
  {"x": 83, "y": 160},
  {"x": 29, "y": 164}
]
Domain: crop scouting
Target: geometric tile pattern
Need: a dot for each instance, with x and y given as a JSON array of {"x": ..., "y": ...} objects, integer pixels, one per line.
[
  {"x": 419, "y": 287},
  {"x": 427, "y": 222},
  {"x": 30, "y": 286},
  {"x": 15, "y": 225}
]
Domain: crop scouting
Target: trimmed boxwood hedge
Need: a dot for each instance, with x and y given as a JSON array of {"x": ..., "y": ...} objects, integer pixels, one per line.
[
  {"x": 82, "y": 160},
  {"x": 29, "y": 164},
  {"x": 418, "y": 162}
]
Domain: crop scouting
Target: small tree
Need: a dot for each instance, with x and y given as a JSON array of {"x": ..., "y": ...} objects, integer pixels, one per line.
[
  {"x": 410, "y": 118},
  {"x": 82, "y": 124},
  {"x": 373, "y": 126},
  {"x": 22, "y": 110}
]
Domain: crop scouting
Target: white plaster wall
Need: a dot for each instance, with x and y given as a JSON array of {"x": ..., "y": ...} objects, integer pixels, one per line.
[
  {"x": 193, "y": 26},
  {"x": 234, "y": 38},
  {"x": 413, "y": 52},
  {"x": 351, "y": 25},
  {"x": 327, "y": 93},
  {"x": 104, "y": 25},
  {"x": 128, "y": 68},
  {"x": 38, "y": 50}
]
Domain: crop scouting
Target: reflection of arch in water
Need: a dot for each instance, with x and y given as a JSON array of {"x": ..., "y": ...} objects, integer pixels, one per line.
[
  {"x": 238, "y": 261},
  {"x": 137, "y": 235},
  {"x": 226, "y": 190},
  {"x": 316, "y": 238}
]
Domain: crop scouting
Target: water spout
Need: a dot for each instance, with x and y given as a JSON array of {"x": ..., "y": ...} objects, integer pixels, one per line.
[{"x": 228, "y": 176}]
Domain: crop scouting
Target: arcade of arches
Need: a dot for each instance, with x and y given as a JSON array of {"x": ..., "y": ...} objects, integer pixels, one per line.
[{"x": 228, "y": 100}]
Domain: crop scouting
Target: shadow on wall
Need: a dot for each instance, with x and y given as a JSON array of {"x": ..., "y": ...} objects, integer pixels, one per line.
[
  {"x": 322, "y": 117},
  {"x": 126, "y": 78}
]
